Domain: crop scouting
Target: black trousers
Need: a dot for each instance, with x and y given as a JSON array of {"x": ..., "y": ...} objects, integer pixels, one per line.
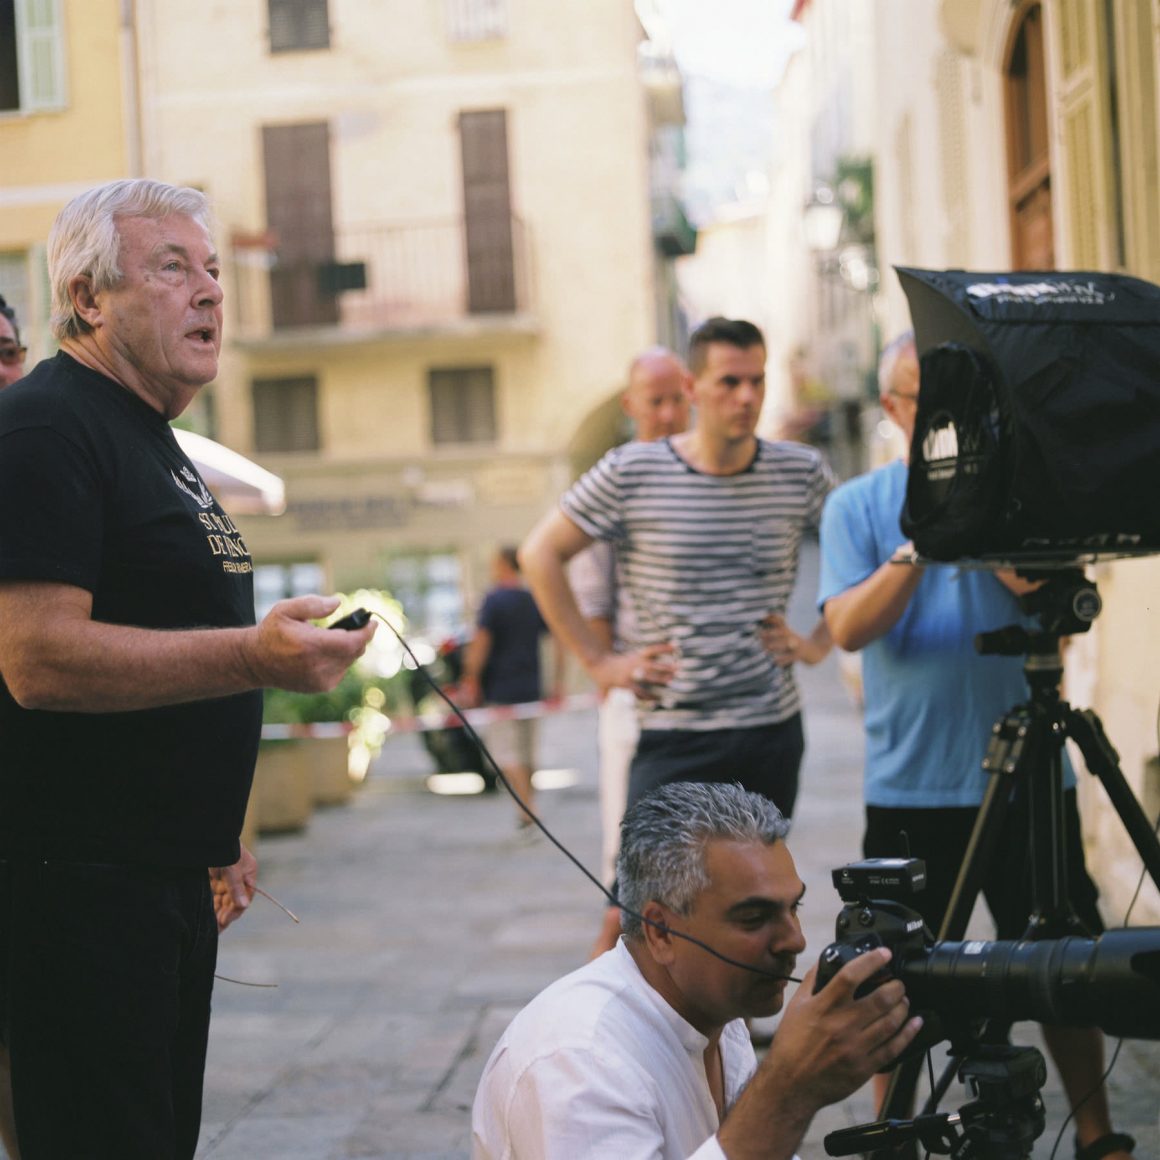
[
  {"x": 763, "y": 758},
  {"x": 940, "y": 835},
  {"x": 106, "y": 973}
]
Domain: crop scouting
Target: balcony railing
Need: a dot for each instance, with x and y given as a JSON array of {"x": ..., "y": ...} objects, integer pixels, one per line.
[{"x": 382, "y": 279}]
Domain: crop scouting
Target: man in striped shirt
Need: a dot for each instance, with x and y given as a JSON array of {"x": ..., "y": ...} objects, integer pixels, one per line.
[{"x": 707, "y": 526}]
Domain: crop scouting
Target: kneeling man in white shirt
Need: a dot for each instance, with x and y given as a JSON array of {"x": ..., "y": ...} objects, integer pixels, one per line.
[{"x": 644, "y": 1052}]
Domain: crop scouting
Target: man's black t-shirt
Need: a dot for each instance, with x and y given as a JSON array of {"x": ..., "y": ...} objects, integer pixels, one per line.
[{"x": 95, "y": 492}]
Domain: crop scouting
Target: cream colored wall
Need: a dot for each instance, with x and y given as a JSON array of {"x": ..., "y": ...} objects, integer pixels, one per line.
[
  {"x": 578, "y": 170},
  {"x": 908, "y": 189},
  {"x": 391, "y": 88},
  {"x": 1119, "y": 677}
]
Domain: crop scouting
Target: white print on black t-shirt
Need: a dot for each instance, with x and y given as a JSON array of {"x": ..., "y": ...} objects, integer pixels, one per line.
[
  {"x": 201, "y": 497},
  {"x": 225, "y": 540}
]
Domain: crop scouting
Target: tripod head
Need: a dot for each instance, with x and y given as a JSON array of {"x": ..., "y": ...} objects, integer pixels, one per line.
[
  {"x": 1001, "y": 1122},
  {"x": 1066, "y": 603}
]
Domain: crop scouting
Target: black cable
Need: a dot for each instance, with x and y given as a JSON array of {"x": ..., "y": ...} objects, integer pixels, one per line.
[{"x": 612, "y": 900}]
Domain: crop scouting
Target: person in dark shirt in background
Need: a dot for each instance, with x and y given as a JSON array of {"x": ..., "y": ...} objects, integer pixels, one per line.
[{"x": 502, "y": 667}]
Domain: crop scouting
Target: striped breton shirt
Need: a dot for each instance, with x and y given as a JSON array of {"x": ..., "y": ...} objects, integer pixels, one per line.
[{"x": 704, "y": 558}]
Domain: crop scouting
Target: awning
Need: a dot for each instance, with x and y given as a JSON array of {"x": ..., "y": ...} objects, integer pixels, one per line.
[{"x": 240, "y": 485}]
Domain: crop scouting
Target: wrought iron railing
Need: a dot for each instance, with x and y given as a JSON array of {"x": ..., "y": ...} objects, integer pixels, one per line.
[{"x": 382, "y": 278}]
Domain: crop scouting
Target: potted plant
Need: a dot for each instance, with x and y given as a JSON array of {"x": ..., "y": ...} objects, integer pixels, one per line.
[{"x": 317, "y": 746}]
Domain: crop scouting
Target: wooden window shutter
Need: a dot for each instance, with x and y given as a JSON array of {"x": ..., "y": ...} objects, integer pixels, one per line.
[
  {"x": 298, "y": 25},
  {"x": 1081, "y": 106},
  {"x": 462, "y": 401},
  {"x": 298, "y": 212},
  {"x": 1137, "y": 49},
  {"x": 487, "y": 212},
  {"x": 41, "y": 54},
  {"x": 285, "y": 414}
]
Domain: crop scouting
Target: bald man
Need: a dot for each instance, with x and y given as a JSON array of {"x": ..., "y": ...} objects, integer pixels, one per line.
[{"x": 656, "y": 401}]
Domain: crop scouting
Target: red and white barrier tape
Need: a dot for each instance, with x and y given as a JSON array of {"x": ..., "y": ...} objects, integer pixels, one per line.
[{"x": 426, "y": 722}]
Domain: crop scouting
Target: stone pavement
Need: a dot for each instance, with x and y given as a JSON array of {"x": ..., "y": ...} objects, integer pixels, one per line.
[{"x": 426, "y": 923}]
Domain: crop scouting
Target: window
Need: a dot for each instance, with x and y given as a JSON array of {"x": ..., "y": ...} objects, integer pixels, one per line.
[
  {"x": 31, "y": 56},
  {"x": 462, "y": 404},
  {"x": 24, "y": 284},
  {"x": 14, "y": 286},
  {"x": 430, "y": 589},
  {"x": 286, "y": 414},
  {"x": 469, "y": 20},
  {"x": 296, "y": 25},
  {"x": 274, "y": 582}
]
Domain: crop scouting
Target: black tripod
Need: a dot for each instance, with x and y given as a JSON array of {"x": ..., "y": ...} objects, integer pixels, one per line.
[
  {"x": 1001, "y": 1123},
  {"x": 1026, "y": 753}
]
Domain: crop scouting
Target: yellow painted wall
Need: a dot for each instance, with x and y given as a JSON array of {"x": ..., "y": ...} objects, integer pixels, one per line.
[{"x": 78, "y": 146}]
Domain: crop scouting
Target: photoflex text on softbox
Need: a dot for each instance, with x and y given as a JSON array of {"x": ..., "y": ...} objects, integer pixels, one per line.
[{"x": 1038, "y": 427}]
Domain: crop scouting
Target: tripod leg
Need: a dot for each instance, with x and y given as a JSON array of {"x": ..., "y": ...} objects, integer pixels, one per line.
[
  {"x": 1003, "y": 759},
  {"x": 982, "y": 843},
  {"x": 1086, "y": 729},
  {"x": 1053, "y": 915}
]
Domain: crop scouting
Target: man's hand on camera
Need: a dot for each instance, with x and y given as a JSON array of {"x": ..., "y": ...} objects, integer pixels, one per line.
[{"x": 826, "y": 1046}]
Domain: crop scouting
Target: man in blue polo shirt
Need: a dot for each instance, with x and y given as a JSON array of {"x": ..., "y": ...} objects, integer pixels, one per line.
[{"x": 930, "y": 702}]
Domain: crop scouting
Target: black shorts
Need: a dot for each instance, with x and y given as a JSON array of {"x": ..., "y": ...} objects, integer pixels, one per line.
[
  {"x": 763, "y": 758},
  {"x": 106, "y": 973},
  {"x": 940, "y": 836}
]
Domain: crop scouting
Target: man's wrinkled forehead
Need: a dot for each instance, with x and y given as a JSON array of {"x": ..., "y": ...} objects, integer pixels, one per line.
[{"x": 737, "y": 870}]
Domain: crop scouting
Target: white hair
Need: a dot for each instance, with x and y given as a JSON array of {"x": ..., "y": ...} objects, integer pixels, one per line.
[
  {"x": 85, "y": 239},
  {"x": 889, "y": 359}
]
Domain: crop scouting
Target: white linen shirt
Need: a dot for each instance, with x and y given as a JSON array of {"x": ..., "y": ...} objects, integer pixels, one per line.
[{"x": 599, "y": 1065}]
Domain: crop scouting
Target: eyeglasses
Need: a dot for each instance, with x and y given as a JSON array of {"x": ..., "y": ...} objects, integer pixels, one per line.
[
  {"x": 913, "y": 398},
  {"x": 10, "y": 355}
]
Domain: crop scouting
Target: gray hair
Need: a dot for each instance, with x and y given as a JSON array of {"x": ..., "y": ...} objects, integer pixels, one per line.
[
  {"x": 663, "y": 838},
  {"x": 85, "y": 239},
  {"x": 889, "y": 359}
]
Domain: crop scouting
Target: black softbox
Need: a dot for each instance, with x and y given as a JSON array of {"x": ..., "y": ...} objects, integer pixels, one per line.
[{"x": 1038, "y": 428}]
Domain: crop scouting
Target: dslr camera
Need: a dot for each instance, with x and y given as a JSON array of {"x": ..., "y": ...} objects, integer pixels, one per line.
[{"x": 1111, "y": 982}]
